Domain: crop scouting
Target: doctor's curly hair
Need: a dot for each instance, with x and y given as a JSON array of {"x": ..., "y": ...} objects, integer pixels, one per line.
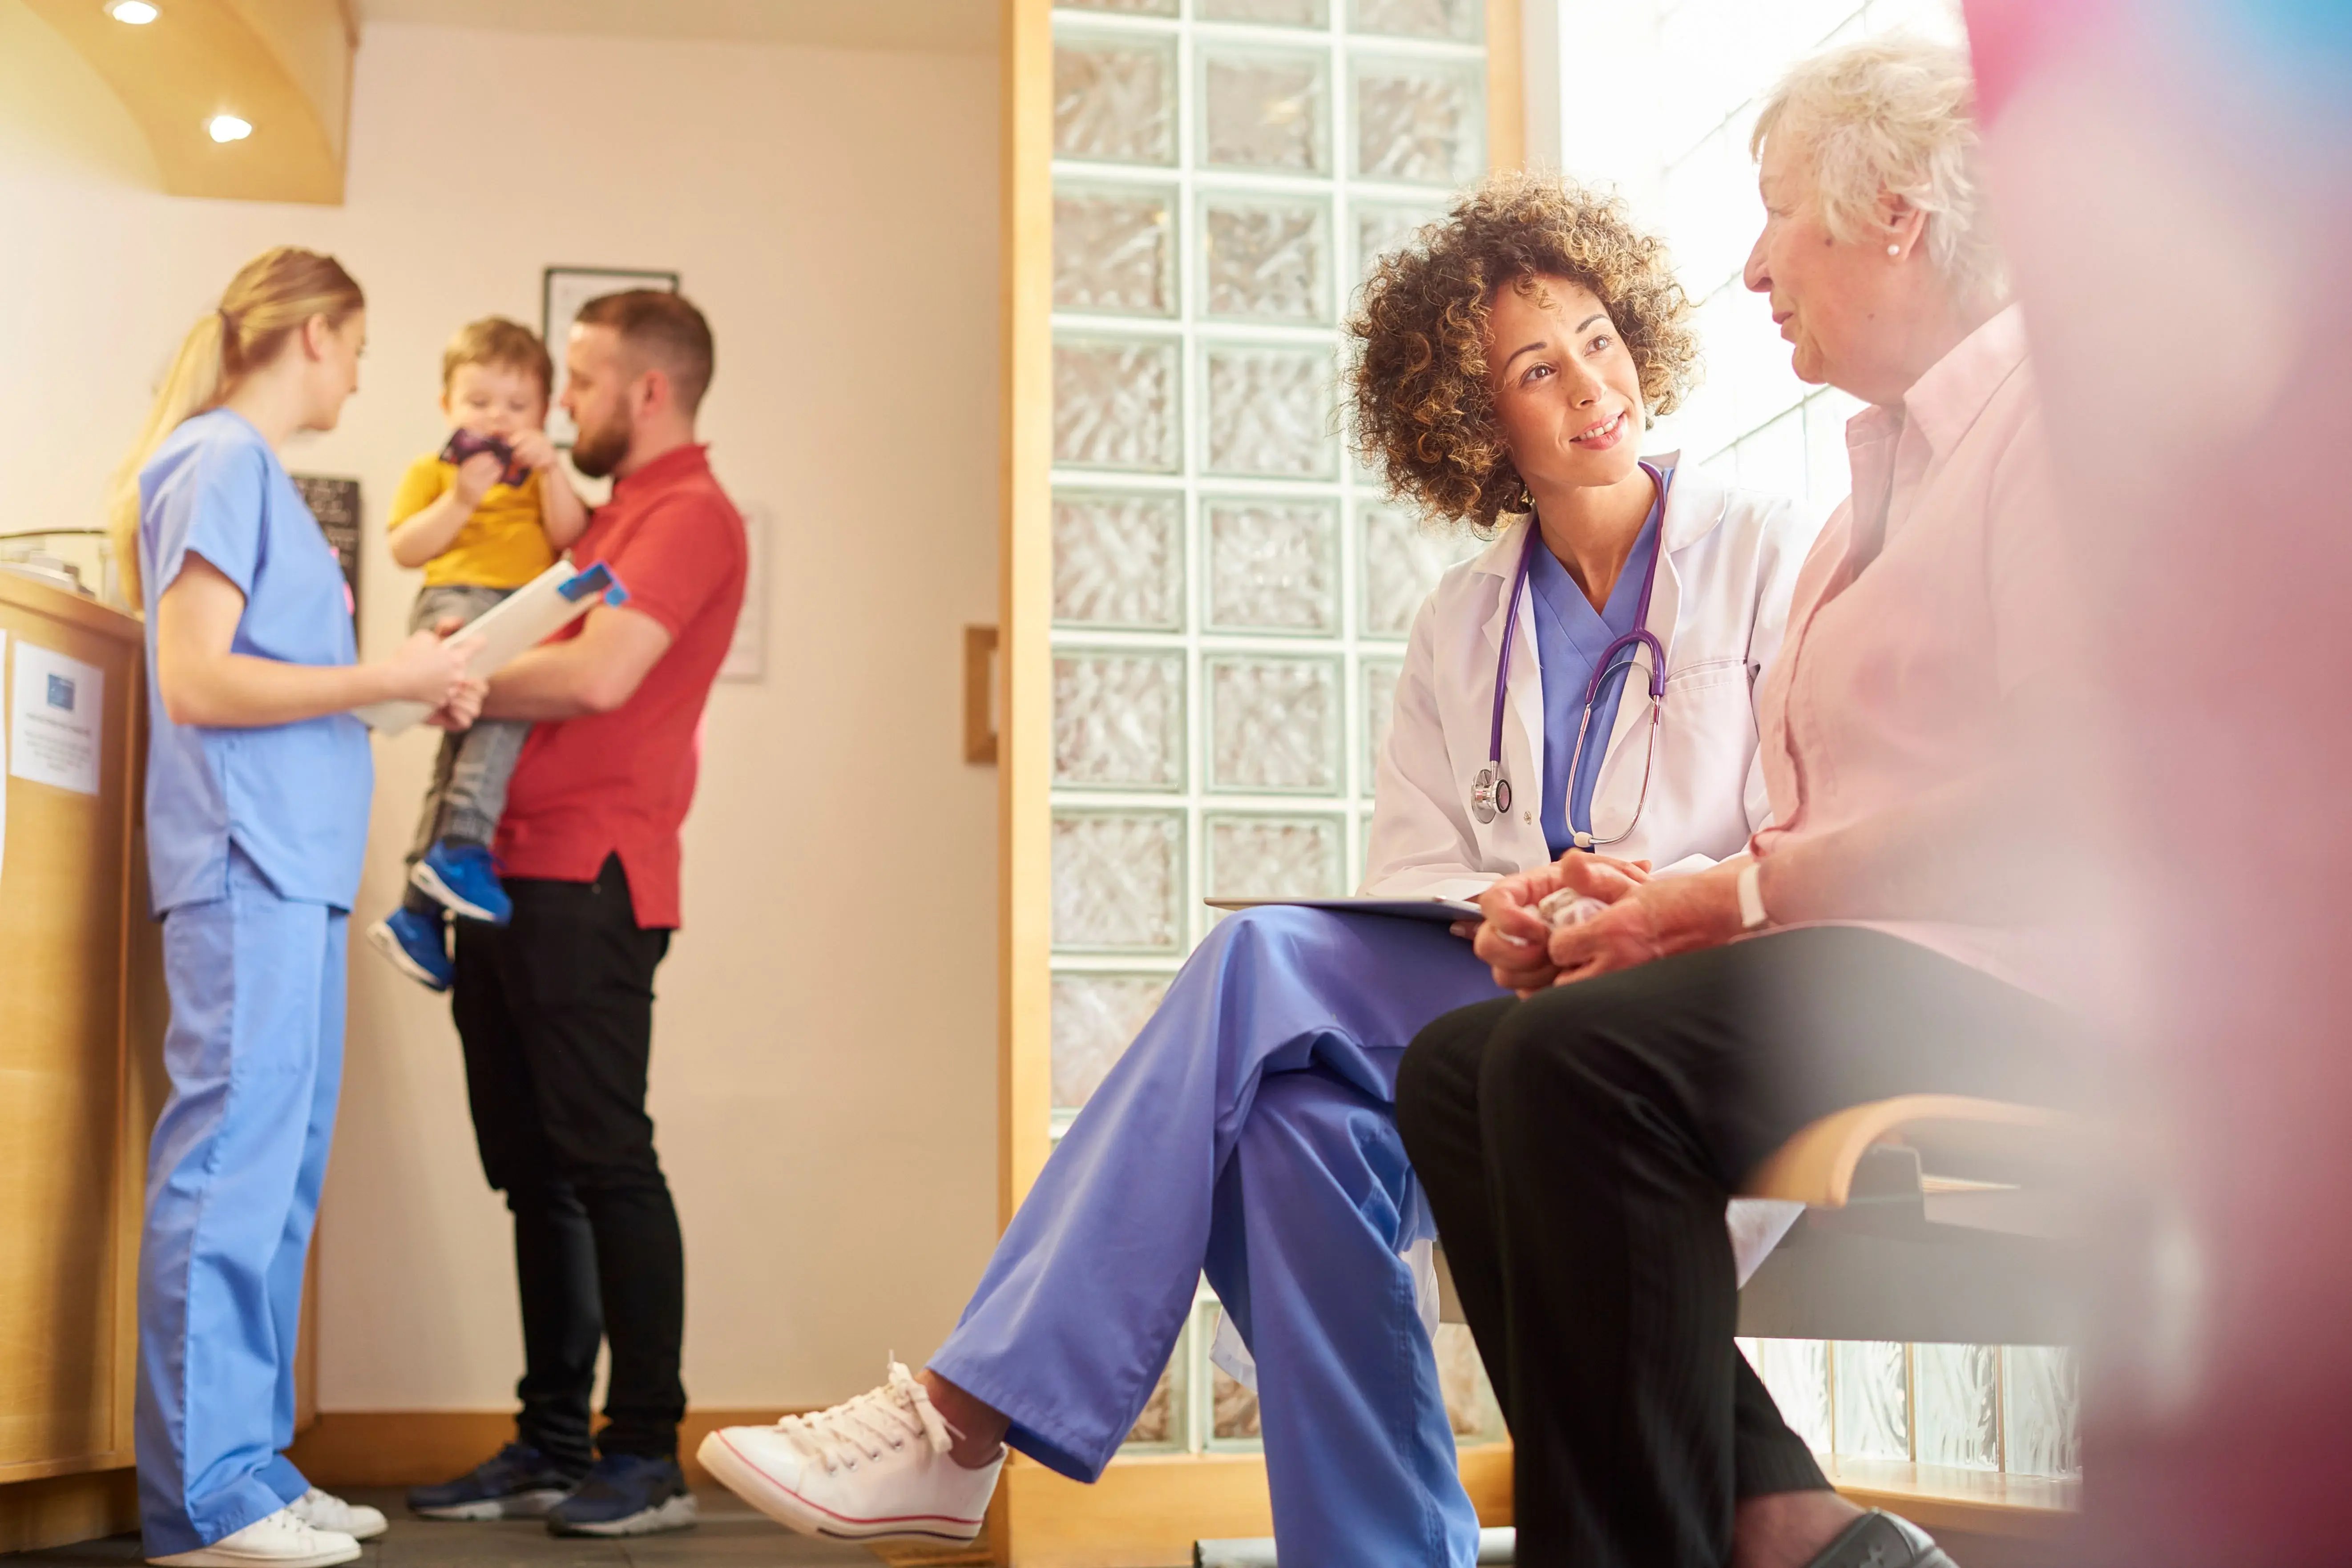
[{"x": 1417, "y": 384}]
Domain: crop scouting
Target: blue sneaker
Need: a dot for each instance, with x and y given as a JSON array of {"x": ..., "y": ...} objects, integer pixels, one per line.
[
  {"x": 463, "y": 880},
  {"x": 414, "y": 943},
  {"x": 627, "y": 1494},
  {"x": 516, "y": 1483}
]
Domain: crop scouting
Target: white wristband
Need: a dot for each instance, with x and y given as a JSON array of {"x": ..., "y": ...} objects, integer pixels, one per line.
[{"x": 1751, "y": 897}]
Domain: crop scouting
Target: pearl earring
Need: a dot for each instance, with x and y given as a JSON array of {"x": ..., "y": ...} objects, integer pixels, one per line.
[{"x": 1894, "y": 250}]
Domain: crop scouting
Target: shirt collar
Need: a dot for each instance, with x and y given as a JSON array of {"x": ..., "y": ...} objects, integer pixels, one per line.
[
  {"x": 1694, "y": 504},
  {"x": 1945, "y": 402},
  {"x": 672, "y": 466}
]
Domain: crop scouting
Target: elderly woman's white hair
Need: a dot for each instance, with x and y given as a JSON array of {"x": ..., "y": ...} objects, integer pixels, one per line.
[{"x": 1895, "y": 113}]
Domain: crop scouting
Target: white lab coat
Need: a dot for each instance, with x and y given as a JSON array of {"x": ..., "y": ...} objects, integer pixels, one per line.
[
  {"x": 1725, "y": 579},
  {"x": 1721, "y": 604},
  {"x": 1727, "y": 568}
]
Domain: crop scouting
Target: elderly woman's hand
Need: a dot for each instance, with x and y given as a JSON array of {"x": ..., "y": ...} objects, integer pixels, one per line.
[
  {"x": 1657, "y": 920},
  {"x": 1512, "y": 937}
]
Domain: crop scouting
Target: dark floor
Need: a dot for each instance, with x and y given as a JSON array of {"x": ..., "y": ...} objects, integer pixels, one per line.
[{"x": 730, "y": 1534}]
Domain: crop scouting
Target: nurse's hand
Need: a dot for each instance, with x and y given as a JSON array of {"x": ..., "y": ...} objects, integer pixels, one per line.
[
  {"x": 1657, "y": 920},
  {"x": 1515, "y": 941},
  {"x": 430, "y": 668}
]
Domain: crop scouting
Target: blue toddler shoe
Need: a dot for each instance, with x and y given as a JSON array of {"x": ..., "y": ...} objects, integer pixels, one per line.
[
  {"x": 413, "y": 943},
  {"x": 463, "y": 880}
]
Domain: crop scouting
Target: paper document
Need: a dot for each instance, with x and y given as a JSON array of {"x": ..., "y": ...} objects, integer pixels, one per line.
[
  {"x": 55, "y": 706},
  {"x": 1445, "y": 911},
  {"x": 533, "y": 614}
]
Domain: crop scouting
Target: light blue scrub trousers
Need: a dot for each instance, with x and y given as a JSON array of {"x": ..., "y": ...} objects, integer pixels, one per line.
[
  {"x": 254, "y": 1051},
  {"x": 1250, "y": 1129}
]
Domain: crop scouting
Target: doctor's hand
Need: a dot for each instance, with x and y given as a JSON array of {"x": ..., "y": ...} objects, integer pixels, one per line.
[
  {"x": 1657, "y": 920},
  {"x": 1514, "y": 939}
]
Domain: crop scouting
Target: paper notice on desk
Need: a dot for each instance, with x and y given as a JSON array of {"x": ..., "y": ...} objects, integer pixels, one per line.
[{"x": 54, "y": 707}]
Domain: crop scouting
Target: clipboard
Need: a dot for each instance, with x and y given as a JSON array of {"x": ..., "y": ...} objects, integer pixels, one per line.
[
  {"x": 1444, "y": 911},
  {"x": 525, "y": 618}
]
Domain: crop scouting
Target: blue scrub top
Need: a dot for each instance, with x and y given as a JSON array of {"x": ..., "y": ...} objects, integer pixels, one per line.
[
  {"x": 293, "y": 797},
  {"x": 1571, "y": 637}
]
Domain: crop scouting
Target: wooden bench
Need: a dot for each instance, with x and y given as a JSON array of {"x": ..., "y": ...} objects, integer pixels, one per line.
[
  {"x": 1929, "y": 1217},
  {"x": 1935, "y": 1219}
]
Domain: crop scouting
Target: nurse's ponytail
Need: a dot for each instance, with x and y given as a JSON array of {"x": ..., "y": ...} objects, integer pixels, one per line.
[{"x": 264, "y": 306}]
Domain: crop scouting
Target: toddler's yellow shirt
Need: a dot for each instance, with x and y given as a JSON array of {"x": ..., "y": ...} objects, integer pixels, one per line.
[{"x": 502, "y": 546}]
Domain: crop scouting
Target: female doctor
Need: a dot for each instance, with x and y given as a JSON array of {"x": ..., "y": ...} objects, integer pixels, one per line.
[
  {"x": 258, "y": 785},
  {"x": 1586, "y": 681}
]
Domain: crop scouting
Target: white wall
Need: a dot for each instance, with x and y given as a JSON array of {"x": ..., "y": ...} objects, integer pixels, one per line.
[{"x": 826, "y": 1114}]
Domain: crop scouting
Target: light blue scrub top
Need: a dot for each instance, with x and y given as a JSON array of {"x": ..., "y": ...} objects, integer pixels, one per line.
[
  {"x": 293, "y": 797},
  {"x": 1571, "y": 637}
]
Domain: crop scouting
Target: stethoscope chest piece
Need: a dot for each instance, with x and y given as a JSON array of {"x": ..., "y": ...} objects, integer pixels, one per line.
[{"x": 1489, "y": 795}]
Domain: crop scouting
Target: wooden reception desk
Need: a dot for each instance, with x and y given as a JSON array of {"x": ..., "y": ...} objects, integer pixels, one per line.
[{"x": 81, "y": 1026}]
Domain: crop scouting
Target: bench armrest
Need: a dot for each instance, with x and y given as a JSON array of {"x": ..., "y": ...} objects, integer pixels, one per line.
[{"x": 1975, "y": 1140}]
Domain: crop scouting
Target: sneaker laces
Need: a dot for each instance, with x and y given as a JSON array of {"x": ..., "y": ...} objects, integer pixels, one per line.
[
  {"x": 880, "y": 1419},
  {"x": 317, "y": 1502}
]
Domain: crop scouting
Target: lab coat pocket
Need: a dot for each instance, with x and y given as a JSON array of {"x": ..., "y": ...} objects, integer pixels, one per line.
[{"x": 1704, "y": 674}]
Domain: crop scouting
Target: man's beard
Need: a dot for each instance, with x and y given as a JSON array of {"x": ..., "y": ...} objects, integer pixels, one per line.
[{"x": 596, "y": 453}]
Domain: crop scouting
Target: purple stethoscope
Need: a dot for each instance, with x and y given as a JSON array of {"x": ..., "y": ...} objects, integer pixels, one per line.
[{"x": 1490, "y": 791}]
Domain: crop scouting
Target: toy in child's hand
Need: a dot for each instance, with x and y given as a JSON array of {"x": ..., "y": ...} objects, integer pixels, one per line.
[
  {"x": 1567, "y": 907},
  {"x": 464, "y": 443}
]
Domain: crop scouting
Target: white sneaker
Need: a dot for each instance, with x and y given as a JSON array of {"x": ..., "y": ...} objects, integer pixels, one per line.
[
  {"x": 878, "y": 1465},
  {"x": 281, "y": 1540},
  {"x": 325, "y": 1511}
]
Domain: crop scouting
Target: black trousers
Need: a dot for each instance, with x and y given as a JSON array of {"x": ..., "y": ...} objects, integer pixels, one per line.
[
  {"x": 556, "y": 1012},
  {"x": 1577, "y": 1149}
]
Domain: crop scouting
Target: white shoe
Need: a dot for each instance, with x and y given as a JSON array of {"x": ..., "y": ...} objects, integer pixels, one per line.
[
  {"x": 325, "y": 1511},
  {"x": 878, "y": 1465},
  {"x": 281, "y": 1539}
]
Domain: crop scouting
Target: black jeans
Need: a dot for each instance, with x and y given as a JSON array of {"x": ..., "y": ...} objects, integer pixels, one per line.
[
  {"x": 556, "y": 1012},
  {"x": 1577, "y": 1149}
]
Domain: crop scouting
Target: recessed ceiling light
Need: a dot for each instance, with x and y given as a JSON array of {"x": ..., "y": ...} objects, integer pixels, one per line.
[
  {"x": 228, "y": 128},
  {"x": 135, "y": 13}
]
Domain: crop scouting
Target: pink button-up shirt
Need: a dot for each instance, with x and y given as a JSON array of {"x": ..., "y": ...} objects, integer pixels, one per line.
[{"x": 1935, "y": 591}]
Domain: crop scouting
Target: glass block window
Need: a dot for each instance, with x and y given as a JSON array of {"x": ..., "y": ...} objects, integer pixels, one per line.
[
  {"x": 1231, "y": 595},
  {"x": 2011, "y": 1408}
]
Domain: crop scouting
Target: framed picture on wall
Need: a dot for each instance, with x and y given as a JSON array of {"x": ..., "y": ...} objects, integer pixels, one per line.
[
  {"x": 336, "y": 504},
  {"x": 563, "y": 291}
]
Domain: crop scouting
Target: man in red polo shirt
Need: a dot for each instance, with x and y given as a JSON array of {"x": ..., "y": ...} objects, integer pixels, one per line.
[{"x": 556, "y": 1007}]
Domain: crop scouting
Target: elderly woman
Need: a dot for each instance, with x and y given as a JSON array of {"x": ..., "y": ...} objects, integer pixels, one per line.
[
  {"x": 1587, "y": 679},
  {"x": 1578, "y": 1146}
]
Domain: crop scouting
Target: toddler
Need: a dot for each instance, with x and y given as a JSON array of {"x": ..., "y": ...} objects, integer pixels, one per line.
[{"x": 483, "y": 516}]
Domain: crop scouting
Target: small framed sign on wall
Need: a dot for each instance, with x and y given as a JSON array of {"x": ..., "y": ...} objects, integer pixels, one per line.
[
  {"x": 336, "y": 504},
  {"x": 563, "y": 291}
]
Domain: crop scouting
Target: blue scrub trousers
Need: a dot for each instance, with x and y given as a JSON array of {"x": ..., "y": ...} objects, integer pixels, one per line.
[
  {"x": 1249, "y": 1130},
  {"x": 254, "y": 1051}
]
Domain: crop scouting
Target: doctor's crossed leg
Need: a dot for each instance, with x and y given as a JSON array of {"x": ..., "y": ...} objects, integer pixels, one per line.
[{"x": 1249, "y": 1130}]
